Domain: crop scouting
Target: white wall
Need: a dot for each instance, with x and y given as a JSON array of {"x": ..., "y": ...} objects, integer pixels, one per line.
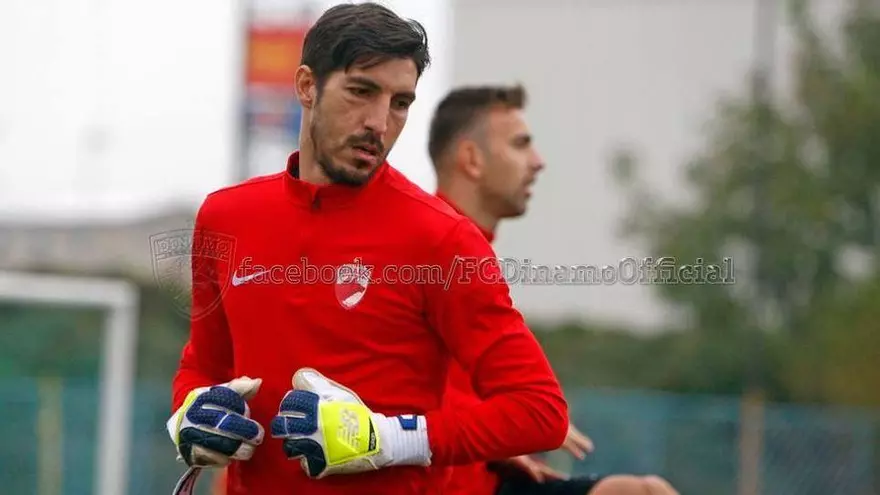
[{"x": 599, "y": 73}]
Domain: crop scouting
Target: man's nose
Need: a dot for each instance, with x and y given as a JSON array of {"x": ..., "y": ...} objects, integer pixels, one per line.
[
  {"x": 538, "y": 164},
  {"x": 377, "y": 117}
]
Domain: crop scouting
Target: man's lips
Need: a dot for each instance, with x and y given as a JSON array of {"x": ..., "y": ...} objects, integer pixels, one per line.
[
  {"x": 369, "y": 148},
  {"x": 366, "y": 153}
]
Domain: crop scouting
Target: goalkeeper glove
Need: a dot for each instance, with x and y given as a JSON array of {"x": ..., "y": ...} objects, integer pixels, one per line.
[
  {"x": 213, "y": 425},
  {"x": 331, "y": 430}
]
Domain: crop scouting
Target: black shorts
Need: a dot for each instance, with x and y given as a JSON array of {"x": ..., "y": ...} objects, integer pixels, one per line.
[{"x": 525, "y": 486}]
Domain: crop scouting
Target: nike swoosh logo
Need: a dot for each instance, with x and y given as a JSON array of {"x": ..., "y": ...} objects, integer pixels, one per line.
[{"x": 236, "y": 280}]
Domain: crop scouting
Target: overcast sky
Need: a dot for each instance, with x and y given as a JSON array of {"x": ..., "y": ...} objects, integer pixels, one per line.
[{"x": 112, "y": 107}]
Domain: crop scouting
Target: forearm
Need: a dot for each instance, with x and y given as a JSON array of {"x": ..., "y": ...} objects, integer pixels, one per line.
[
  {"x": 520, "y": 408},
  {"x": 514, "y": 420},
  {"x": 207, "y": 357},
  {"x": 523, "y": 410},
  {"x": 504, "y": 426}
]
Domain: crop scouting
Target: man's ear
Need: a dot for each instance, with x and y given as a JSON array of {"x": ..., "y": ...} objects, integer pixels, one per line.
[
  {"x": 470, "y": 159},
  {"x": 306, "y": 86}
]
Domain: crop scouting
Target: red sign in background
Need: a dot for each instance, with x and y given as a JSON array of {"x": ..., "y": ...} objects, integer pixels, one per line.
[{"x": 273, "y": 55}]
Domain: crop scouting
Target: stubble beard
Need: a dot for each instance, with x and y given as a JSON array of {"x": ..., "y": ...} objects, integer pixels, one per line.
[{"x": 337, "y": 174}]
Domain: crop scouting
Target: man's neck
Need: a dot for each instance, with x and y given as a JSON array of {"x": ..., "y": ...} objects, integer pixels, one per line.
[
  {"x": 467, "y": 200},
  {"x": 309, "y": 170}
]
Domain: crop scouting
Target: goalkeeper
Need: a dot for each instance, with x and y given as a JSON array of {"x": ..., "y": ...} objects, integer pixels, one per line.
[{"x": 340, "y": 208}]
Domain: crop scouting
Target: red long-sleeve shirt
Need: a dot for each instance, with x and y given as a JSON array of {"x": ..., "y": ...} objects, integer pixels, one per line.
[{"x": 391, "y": 344}]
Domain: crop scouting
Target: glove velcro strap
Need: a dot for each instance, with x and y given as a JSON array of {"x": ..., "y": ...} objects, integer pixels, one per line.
[{"x": 405, "y": 439}]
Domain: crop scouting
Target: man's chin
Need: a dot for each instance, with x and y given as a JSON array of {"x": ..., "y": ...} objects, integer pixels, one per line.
[
  {"x": 363, "y": 166},
  {"x": 352, "y": 174},
  {"x": 516, "y": 210}
]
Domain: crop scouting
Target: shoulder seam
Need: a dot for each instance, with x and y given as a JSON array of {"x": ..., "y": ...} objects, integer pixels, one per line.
[
  {"x": 423, "y": 201},
  {"x": 456, "y": 227},
  {"x": 249, "y": 182}
]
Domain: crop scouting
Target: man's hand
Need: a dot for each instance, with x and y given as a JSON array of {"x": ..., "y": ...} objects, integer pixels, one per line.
[
  {"x": 213, "y": 425},
  {"x": 578, "y": 444},
  {"x": 331, "y": 431}
]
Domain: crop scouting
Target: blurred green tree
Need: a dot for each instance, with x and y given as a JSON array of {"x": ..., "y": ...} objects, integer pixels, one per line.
[{"x": 789, "y": 189}]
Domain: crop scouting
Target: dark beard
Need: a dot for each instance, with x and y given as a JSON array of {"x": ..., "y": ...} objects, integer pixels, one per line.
[
  {"x": 340, "y": 175},
  {"x": 336, "y": 174}
]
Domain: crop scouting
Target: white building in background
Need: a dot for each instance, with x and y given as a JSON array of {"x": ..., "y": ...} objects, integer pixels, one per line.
[
  {"x": 601, "y": 73},
  {"x": 115, "y": 110}
]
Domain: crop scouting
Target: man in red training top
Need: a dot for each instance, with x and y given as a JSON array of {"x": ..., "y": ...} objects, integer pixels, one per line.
[
  {"x": 317, "y": 359},
  {"x": 486, "y": 163}
]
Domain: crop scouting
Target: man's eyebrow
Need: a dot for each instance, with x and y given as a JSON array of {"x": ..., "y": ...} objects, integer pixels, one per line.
[
  {"x": 373, "y": 85},
  {"x": 364, "y": 81}
]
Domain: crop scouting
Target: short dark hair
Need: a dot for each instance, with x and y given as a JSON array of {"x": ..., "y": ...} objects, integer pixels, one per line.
[
  {"x": 363, "y": 34},
  {"x": 463, "y": 107}
]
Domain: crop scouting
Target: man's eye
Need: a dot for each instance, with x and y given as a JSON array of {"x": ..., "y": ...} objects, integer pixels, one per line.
[
  {"x": 358, "y": 91},
  {"x": 403, "y": 104}
]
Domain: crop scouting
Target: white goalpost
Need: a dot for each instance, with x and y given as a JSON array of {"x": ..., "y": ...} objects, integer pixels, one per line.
[{"x": 119, "y": 299}]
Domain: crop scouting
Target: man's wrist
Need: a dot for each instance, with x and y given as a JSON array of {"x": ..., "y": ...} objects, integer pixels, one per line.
[{"x": 404, "y": 438}]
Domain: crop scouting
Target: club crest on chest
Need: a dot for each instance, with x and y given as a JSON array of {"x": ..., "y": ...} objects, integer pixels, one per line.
[{"x": 352, "y": 280}]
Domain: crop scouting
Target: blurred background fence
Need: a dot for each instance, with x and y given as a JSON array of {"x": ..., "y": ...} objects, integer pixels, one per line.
[
  {"x": 715, "y": 445},
  {"x": 49, "y": 429}
]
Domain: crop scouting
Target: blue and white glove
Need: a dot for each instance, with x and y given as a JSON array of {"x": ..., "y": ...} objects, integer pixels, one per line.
[
  {"x": 330, "y": 429},
  {"x": 213, "y": 426}
]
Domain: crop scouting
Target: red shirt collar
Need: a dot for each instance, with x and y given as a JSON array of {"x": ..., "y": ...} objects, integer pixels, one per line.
[
  {"x": 325, "y": 196},
  {"x": 490, "y": 236}
]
